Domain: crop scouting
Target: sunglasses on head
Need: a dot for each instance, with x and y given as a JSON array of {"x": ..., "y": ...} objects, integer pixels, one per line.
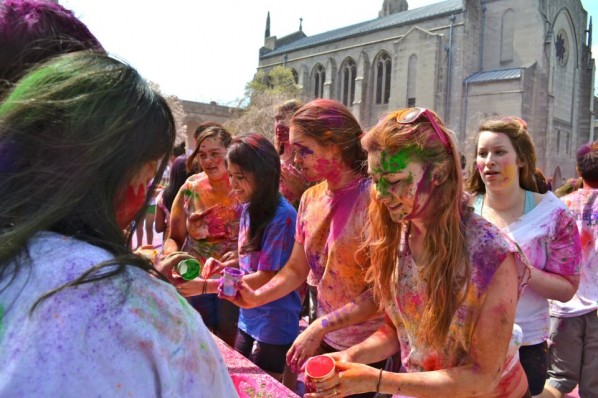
[{"x": 411, "y": 115}]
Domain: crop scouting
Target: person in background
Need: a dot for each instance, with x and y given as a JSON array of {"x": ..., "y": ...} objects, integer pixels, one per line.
[
  {"x": 174, "y": 176},
  {"x": 573, "y": 347},
  {"x": 292, "y": 182},
  {"x": 265, "y": 243},
  {"x": 571, "y": 185},
  {"x": 542, "y": 182},
  {"x": 504, "y": 191},
  {"x": 32, "y": 31},
  {"x": 73, "y": 296},
  {"x": 325, "y": 138},
  {"x": 204, "y": 222}
]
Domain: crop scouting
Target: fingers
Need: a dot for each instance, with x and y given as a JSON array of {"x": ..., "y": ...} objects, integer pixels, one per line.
[
  {"x": 211, "y": 267},
  {"x": 289, "y": 357},
  {"x": 166, "y": 263}
]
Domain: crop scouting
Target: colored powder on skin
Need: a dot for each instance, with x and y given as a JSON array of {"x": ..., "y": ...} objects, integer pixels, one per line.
[
  {"x": 511, "y": 171},
  {"x": 391, "y": 164}
]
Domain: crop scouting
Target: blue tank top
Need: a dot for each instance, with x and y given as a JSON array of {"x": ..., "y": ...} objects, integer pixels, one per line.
[{"x": 528, "y": 205}]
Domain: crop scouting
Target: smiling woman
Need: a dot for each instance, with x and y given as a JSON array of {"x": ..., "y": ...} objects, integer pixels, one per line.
[{"x": 205, "y": 224}]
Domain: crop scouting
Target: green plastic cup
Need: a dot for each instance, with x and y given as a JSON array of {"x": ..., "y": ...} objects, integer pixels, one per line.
[{"x": 189, "y": 269}]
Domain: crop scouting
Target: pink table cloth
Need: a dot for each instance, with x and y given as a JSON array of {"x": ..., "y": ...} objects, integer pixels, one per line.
[{"x": 252, "y": 380}]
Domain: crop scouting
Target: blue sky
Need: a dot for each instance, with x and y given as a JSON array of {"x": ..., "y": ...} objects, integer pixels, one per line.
[{"x": 207, "y": 50}]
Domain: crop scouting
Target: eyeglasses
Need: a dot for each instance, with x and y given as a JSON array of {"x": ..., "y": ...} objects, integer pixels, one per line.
[{"x": 411, "y": 115}]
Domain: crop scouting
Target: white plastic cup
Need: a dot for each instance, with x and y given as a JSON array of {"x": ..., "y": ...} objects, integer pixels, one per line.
[{"x": 230, "y": 279}]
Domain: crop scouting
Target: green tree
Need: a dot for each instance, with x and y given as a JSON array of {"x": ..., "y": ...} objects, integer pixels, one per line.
[{"x": 262, "y": 95}]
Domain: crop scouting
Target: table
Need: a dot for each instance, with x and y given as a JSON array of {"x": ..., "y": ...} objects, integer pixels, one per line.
[{"x": 240, "y": 367}]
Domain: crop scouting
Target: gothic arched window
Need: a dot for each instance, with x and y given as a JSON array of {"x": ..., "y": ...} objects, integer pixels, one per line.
[
  {"x": 411, "y": 81},
  {"x": 507, "y": 33},
  {"x": 295, "y": 75},
  {"x": 347, "y": 89},
  {"x": 383, "y": 69},
  {"x": 319, "y": 77}
]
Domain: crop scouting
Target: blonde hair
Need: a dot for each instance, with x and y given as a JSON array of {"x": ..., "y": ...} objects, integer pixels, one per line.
[{"x": 445, "y": 262}]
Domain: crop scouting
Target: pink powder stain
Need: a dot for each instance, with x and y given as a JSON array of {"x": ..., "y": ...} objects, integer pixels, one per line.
[
  {"x": 587, "y": 242},
  {"x": 432, "y": 362},
  {"x": 325, "y": 169}
]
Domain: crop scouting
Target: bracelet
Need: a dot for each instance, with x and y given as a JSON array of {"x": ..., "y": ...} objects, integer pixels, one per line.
[
  {"x": 379, "y": 380},
  {"x": 205, "y": 286}
]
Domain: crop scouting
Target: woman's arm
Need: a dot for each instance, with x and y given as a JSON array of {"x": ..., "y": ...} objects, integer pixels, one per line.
[
  {"x": 160, "y": 220},
  {"x": 479, "y": 378},
  {"x": 560, "y": 278},
  {"x": 178, "y": 225},
  {"x": 289, "y": 278},
  {"x": 358, "y": 310},
  {"x": 553, "y": 286}
]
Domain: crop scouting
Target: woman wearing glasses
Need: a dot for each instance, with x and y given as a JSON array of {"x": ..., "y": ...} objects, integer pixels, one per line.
[
  {"x": 446, "y": 278},
  {"x": 505, "y": 193},
  {"x": 325, "y": 138}
]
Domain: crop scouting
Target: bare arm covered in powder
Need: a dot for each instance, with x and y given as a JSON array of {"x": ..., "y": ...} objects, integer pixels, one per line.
[
  {"x": 289, "y": 278},
  {"x": 356, "y": 311}
]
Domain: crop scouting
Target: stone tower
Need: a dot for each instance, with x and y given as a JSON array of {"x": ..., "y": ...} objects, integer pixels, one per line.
[{"x": 392, "y": 7}]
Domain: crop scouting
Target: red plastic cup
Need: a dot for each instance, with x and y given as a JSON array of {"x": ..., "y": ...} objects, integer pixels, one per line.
[{"x": 319, "y": 368}]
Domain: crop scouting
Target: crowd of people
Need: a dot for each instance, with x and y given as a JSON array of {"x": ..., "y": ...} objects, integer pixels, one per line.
[{"x": 416, "y": 277}]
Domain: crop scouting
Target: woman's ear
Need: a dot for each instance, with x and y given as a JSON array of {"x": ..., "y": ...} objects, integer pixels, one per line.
[{"x": 439, "y": 174}]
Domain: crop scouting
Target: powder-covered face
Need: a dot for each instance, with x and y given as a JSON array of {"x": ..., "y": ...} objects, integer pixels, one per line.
[
  {"x": 242, "y": 182},
  {"x": 281, "y": 128},
  {"x": 316, "y": 162},
  {"x": 132, "y": 199},
  {"x": 497, "y": 161},
  {"x": 211, "y": 157},
  {"x": 403, "y": 185}
]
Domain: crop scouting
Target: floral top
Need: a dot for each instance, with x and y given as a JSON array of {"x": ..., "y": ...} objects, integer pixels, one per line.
[
  {"x": 583, "y": 203},
  {"x": 128, "y": 335},
  {"x": 487, "y": 249},
  {"x": 329, "y": 226},
  {"x": 212, "y": 219}
]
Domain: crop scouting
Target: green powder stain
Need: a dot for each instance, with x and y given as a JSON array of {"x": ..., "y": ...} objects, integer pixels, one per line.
[
  {"x": 188, "y": 193},
  {"x": 391, "y": 164}
]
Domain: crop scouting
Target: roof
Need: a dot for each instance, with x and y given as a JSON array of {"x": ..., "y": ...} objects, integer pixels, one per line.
[
  {"x": 389, "y": 21},
  {"x": 494, "y": 75}
]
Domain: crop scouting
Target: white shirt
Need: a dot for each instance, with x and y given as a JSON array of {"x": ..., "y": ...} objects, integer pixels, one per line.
[
  {"x": 583, "y": 204},
  {"x": 128, "y": 335},
  {"x": 548, "y": 237}
]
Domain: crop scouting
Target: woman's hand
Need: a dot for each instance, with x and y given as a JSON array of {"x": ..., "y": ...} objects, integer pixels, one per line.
[
  {"x": 305, "y": 346},
  {"x": 350, "y": 378},
  {"x": 166, "y": 264},
  {"x": 293, "y": 182},
  {"x": 245, "y": 297},
  {"x": 194, "y": 287},
  {"x": 212, "y": 267}
]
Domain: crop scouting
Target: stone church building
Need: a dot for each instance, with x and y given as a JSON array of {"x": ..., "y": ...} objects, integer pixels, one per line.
[{"x": 465, "y": 59}]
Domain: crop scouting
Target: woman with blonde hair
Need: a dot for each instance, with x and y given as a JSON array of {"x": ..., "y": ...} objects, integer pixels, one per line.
[{"x": 447, "y": 279}]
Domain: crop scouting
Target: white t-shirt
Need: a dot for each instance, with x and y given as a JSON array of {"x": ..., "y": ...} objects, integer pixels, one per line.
[
  {"x": 130, "y": 335},
  {"x": 584, "y": 206},
  {"x": 548, "y": 237}
]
